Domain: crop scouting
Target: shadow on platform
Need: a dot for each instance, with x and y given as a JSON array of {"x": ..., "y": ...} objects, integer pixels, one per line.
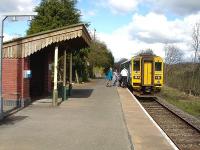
[
  {"x": 11, "y": 120},
  {"x": 81, "y": 93}
]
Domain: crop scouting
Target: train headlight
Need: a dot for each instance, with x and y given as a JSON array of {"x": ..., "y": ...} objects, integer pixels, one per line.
[
  {"x": 136, "y": 77},
  {"x": 158, "y": 77}
]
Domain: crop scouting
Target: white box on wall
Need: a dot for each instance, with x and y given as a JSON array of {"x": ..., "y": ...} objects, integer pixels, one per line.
[{"x": 27, "y": 74}]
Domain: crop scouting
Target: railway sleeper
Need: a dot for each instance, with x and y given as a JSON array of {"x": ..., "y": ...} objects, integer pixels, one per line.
[
  {"x": 183, "y": 135},
  {"x": 166, "y": 119},
  {"x": 182, "y": 127},
  {"x": 188, "y": 141},
  {"x": 191, "y": 146},
  {"x": 158, "y": 113}
]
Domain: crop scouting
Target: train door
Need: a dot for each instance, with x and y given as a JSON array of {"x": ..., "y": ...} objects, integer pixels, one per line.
[{"x": 147, "y": 73}]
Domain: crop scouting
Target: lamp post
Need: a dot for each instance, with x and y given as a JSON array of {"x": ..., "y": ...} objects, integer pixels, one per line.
[{"x": 3, "y": 17}]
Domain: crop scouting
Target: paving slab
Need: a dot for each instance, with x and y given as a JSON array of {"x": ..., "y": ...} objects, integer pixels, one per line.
[{"x": 91, "y": 119}]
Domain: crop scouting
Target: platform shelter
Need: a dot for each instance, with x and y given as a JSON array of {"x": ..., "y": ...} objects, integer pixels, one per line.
[{"x": 30, "y": 64}]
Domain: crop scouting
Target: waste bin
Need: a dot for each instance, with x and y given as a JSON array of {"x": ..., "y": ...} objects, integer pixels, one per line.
[
  {"x": 65, "y": 93},
  {"x": 70, "y": 90}
]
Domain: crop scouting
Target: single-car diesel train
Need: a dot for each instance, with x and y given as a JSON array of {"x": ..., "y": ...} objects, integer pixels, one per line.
[{"x": 145, "y": 73}]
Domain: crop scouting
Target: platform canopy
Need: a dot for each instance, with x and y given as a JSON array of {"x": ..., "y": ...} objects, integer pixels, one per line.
[{"x": 74, "y": 36}]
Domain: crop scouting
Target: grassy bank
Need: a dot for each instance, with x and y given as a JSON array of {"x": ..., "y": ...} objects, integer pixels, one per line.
[{"x": 189, "y": 104}]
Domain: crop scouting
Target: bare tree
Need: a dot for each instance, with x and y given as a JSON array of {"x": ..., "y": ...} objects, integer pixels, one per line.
[
  {"x": 173, "y": 55},
  {"x": 196, "y": 40},
  {"x": 146, "y": 52},
  {"x": 196, "y": 47}
]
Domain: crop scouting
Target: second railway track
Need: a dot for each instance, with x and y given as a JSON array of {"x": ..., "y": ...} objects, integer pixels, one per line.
[{"x": 182, "y": 133}]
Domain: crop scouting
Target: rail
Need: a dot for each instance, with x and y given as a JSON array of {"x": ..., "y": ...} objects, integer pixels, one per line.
[{"x": 181, "y": 128}]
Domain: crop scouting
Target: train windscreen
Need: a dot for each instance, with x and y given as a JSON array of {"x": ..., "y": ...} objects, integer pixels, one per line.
[
  {"x": 158, "y": 66},
  {"x": 136, "y": 65}
]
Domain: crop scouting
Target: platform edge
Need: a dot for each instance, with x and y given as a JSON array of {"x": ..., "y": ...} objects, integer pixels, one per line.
[{"x": 157, "y": 126}]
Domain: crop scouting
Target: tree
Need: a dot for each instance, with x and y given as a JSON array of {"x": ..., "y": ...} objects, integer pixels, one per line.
[
  {"x": 54, "y": 14},
  {"x": 99, "y": 56},
  {"x": 184, "y": 76},
  {"x": 196, "y": 40},
  {"x": 146, "y": 52},
  {"x": 80, "y": 59},
  {"x": 196, "y": 47},
  {"x": 117, "y": 64},
  {"x": 173, "y": 55}
]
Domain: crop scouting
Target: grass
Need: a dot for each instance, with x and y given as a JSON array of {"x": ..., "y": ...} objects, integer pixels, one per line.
[{"x": 189, "y": 104}]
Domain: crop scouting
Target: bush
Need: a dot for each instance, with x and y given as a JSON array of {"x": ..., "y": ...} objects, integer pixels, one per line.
[{"x": 184, "y": 78}]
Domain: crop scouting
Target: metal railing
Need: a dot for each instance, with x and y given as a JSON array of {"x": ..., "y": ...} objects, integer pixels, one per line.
[{"x": 12, "y": 104}]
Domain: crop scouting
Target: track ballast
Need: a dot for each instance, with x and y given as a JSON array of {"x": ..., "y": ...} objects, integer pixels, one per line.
[{"x": 182, "y": 133}]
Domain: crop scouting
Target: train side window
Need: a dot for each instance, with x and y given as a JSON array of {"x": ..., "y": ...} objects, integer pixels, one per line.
[
  {"x": 136, "y": 65},
  {"x": 158, "y": 66}
]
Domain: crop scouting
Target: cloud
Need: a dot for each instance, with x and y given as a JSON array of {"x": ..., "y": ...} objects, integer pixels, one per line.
[
  {"x": 123, "y": 47},
  {"x": 150, "y": 31},
  {"x": 180, "y": 7},
  {"x": 88, "y": 13},
  {"x": 121, "y": 6},
  {"x": 156, "y": 28},
  {"x": 7, "y": 6},
  {"x": 177, "y": 7},
  {"x": 8, "y": 37},
  {"x": 17, "y": 5}
]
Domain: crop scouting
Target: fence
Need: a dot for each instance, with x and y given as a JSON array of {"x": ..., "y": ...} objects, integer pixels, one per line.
[{"x": 12, "y": 104}]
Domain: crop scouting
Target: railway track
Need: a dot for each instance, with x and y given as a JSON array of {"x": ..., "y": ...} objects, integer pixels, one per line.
[{"x": 184, "y": 134}]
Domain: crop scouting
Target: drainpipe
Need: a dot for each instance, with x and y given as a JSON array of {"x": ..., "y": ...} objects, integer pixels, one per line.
[
  {"x": 70, "y": 73},
  {"x": 64, "y": 76}
]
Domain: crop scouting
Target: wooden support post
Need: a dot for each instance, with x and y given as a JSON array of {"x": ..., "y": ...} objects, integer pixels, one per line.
[
  {"x": 70, "y": 73},
  {"x": 55, "y": 89},
  {"x": 64, "y": 76}
]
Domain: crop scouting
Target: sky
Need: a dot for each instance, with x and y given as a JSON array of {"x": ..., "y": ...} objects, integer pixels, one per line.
[{"x": 126, "y": 26}]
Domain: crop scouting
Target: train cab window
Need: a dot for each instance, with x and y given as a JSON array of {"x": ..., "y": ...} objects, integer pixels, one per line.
[
  {"x": 158, "y": 66},
  {"x": 136, "y": 65}
]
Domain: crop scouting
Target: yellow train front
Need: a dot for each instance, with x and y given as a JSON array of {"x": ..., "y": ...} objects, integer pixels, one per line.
[{"x": 146, "y": 73}]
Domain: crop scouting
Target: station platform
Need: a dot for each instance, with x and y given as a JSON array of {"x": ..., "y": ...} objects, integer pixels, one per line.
[
  {"x": 91, "y": 119},
  {"x": 144, "y": 132},
  {"x": 95, "y": 117}
]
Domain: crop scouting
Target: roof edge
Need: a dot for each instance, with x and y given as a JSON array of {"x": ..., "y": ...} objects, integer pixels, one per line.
[{"x": 49, "y": 31}]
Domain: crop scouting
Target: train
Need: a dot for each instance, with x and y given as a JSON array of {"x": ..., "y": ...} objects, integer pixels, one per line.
[{"x": 145, "y": 73}]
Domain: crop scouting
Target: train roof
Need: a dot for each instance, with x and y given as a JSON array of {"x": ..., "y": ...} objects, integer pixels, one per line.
[
  {"x": 125, "y": 62},
  {"x": 146, "y": 56}
]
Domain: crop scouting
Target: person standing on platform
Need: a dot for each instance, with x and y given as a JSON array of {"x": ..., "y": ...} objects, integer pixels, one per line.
[
  {"x": 115, "y": 78},
  {"x": 109, "y": 76},
  {"x": 124, "y": 75}
]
